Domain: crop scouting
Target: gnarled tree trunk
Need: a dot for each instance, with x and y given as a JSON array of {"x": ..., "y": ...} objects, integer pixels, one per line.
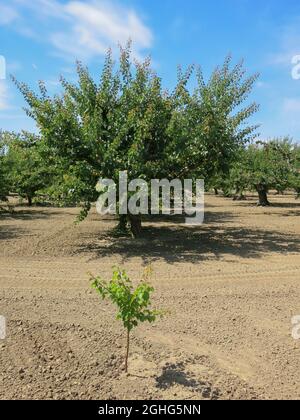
[
  {"x": 122, "y": 225},
  {"x": 262, "y": 195},
  {"x": 29, "y": 199},
  {"x": 135, "y": 224}
]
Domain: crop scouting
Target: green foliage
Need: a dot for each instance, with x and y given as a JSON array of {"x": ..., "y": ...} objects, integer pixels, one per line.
[
  {"x": 128, "y": 121},
  {"x": 209, "y": 125},
  {"x": 4, "y": 182},
  {"x": 133, "y": 304},
  {"x": 264, "y": 166},
  {"x": 29, "y": 166},
  {"x": 294, "y": 175},
  {"x": 271, "y": 164}
]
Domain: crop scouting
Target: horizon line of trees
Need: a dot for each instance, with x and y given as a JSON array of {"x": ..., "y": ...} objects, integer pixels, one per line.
[{"x": 261, "y": 167}]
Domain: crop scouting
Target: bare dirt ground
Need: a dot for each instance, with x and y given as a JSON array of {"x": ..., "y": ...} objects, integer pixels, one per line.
[{"x": 232, "y": 286}]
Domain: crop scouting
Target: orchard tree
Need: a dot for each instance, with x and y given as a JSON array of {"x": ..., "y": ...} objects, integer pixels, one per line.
[
  {"x": 219, "y": 183},
  {"x": 215, "y": 183},
  {"x": 128, "y": 122},
  {"x": 261, "y": 172},
  {"x": 270, "y": 165},
  {"x": 284, "y": 162},
  {"x": 29, "y": 169},
  {"x": 98, "y": 130}
]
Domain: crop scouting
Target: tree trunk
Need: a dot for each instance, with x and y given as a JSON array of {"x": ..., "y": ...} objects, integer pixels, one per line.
[
  {"x": 262, "y": 195},
  {"x": 127, "y": 351},
  {"x": 122, "y": 225},
  {"x": 135, "y": 224},
  {"x": 29, "y": 198},
  {"x": 216, "y": 191},
  {"x": 239, "y": 196}
]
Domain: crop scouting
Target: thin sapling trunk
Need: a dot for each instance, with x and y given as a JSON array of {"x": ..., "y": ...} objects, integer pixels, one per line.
[{"x": 127, "y": 350}]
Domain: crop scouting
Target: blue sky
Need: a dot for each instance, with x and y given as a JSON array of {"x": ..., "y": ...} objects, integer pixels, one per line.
[{"x": 41, "y": 39}]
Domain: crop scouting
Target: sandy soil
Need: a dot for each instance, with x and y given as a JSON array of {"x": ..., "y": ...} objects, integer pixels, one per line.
[{"x": 232, "y": 286}]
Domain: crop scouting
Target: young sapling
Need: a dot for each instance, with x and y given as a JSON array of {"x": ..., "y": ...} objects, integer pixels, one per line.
[{"x": 133, "y": 304}]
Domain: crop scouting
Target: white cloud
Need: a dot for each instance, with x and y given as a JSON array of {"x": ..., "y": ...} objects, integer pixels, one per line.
[
  {"x": 7, "y": 14},
  {"x": 83, "y": 29},
  {"x": 93, "y": 26}
]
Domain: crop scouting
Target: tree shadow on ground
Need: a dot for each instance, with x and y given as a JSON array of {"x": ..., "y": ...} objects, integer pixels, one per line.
[
  {"x": 293, "y": 213},
  {"x": 209, "y": 217},
  {"x": 31, "y": 214},
  {"x": 273, "y": 204},
  {"x": 11, "y": 232},
  {"x": 175, "y": 374},
  {"x": 295, "y": 205},
  {"x": 176, "y": 242}
]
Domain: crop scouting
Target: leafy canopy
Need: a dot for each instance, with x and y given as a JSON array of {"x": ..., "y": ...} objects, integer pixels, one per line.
[
  {"x": 266, "y": 165},
  {"x": 29, "y": 167},
  {"x": 132, "y": 303},
  {"x": 127, "y": 121}
]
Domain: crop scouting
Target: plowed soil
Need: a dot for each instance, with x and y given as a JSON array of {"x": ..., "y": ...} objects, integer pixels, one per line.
[{"x": 231, "y": 285}]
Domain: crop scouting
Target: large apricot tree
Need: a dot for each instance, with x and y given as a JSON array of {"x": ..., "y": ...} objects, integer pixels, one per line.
[{"x": 129, "y": 122}]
